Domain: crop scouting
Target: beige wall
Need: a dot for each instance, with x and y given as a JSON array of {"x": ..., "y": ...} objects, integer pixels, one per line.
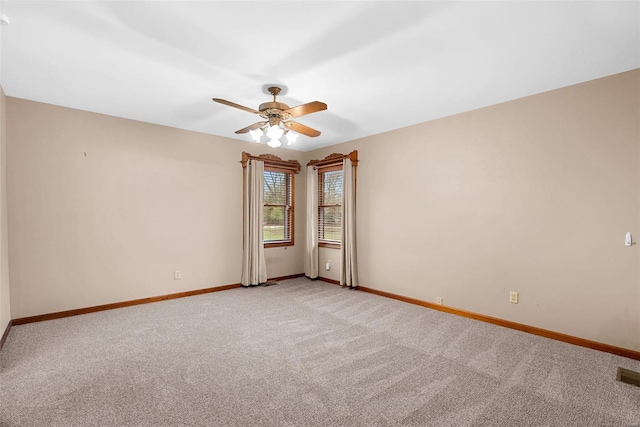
[
  {"x": 5, "y": 296},
  {"x": 533, "y": 195},
  {"x": 114, "y": 224},
  {"x": 333, "y": 257}
]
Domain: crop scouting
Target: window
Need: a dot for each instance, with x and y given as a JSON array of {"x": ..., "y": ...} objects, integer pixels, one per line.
[
  {"x": 279, "y": 196},
  {"x": 278, "y": 207},
  {"x": 330, "y": 205},
  {"x": 330, "y": 188}
]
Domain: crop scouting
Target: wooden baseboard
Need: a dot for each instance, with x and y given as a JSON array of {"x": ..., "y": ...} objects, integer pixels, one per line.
[
  {"x": 86, "y": 310},
  {"x": 291, "y": 276},
  {"x": 324, "y": 279},
  {"x": 631, "y": 354},
  {"x": 5, "y": 334}
]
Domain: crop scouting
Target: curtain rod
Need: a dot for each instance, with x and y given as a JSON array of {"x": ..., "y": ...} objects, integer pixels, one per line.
[
  {"x": 271, "y": 160},
  {"x": 336, "y": 158}
]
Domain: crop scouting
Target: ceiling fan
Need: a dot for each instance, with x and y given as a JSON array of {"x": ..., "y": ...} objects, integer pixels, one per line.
[{"x": 277, "y": 117}]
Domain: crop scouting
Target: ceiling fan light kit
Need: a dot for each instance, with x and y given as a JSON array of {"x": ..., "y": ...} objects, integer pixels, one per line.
[{"x": 278, "y": 127}]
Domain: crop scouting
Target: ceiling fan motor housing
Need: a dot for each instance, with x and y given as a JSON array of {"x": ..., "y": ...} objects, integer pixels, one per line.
[{"x": 274, "y": 110}]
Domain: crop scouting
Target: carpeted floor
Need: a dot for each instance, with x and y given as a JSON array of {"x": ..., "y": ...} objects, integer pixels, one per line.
[{"x": 302, "y": 353}]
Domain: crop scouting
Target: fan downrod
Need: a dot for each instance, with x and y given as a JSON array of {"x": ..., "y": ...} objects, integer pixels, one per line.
[{"x": 274, "y": 109}]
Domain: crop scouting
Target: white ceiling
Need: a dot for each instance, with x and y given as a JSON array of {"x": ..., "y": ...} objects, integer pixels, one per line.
[{"x": 378, "y": 65}]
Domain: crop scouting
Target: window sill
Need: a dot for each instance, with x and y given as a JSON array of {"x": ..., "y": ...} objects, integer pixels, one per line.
[
  {"x": 329, "y": 245},
  {"x": 277, "y": 244}
]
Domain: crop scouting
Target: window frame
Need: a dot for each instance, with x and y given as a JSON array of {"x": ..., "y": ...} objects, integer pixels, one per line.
[
  {"x": 331, "y": 161},
  {"x": 274, "y": 163},
  {"x": 289, "y": 209},
  {"x": 336, "y": 244}
]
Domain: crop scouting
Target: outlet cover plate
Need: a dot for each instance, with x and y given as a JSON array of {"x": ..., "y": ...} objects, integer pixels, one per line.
[{"x": 513, "y": 297}]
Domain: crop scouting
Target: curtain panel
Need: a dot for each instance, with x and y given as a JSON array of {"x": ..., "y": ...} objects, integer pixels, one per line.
[
  {"x": 254, "y": 267},
  {"x": 348, "y": 251},
  {"x": 311, "y": 248}
]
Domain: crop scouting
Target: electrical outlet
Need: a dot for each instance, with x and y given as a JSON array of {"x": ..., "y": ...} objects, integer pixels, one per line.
[
  {"x": 177, "y": 275},
  {"x": 439, "y": 300},
  {"x": 513, "y": 297}
]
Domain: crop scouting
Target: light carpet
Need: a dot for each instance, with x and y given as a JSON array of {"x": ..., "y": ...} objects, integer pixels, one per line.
[{"x": 302, "y": 353}]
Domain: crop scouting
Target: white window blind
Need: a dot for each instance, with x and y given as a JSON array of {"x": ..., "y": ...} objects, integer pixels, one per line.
[{"x": 330, "y": 204}]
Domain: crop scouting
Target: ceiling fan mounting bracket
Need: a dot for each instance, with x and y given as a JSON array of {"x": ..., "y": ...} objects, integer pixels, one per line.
[{"x": 275, "y": 91}]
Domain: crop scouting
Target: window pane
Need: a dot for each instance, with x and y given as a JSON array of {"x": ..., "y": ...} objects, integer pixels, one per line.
[
  {"x": 275, "y": 188},
  {"x": 332, "y": 188},
  {"x": 329, "y": 217},
  {"x": 277, "y": 221},
  {"x": 274, "y": 224},
  {"x": 330, "y": 223}
]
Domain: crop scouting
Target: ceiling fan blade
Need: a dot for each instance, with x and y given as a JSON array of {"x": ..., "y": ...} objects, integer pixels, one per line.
[
  {"x": 251, "y": 127},
  {"x": 308, "y": 108},
  {"x": 233, "y": 104},
  {"x": 305, "y": 130}
]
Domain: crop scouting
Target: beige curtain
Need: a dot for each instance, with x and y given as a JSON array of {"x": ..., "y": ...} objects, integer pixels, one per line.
[
  {"x": 348, "y": 252},
  {"x": 254, "y": 267},
  {"x": 311, "y": 248}
]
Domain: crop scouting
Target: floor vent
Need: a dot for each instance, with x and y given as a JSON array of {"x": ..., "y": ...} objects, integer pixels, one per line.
[
  {"x": 628, "y": 376},
  {"x": 271, "y": 282}
]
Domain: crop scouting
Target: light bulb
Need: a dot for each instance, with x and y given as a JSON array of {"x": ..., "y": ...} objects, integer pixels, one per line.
[
  {"x": 256, "y": 134},
  {"x": 275, "y": 132},
  {"x": 274, "y": 143},
  {"x": 291, "y": 137}
]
